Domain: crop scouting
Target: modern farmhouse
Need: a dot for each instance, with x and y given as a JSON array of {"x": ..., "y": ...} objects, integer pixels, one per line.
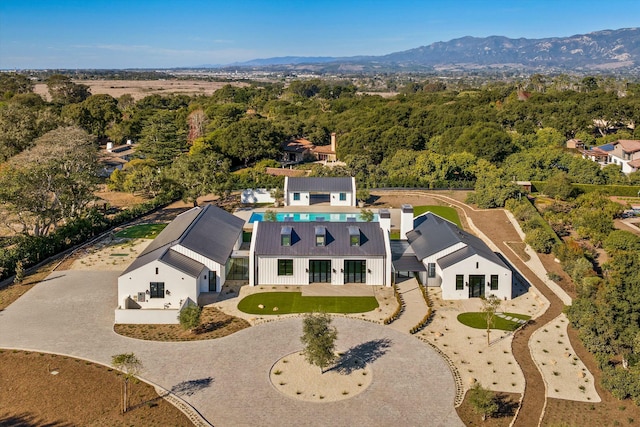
[{"x": 188, "y": 257}]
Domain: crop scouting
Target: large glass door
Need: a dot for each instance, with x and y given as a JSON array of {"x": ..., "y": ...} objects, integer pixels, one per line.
[
  {"x": 355, "y": 271},
  {"x": 476, "y": 286},
  {"x": 319, "y": 271}
]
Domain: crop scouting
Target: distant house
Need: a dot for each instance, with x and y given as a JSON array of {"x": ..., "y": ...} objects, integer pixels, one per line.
[
  {"x": 305, "y": 191},
  {"x": 626, "y": 154},
  {"x": 302, "y": 150},
  {"x": 575, "y": 144},
  {"x": 446, "y": 256},
  {"x": 303, "y": 253},
  {"x": 188, "y": 257},
  {"x": 112, "y": 158},
  {"x": 600, "y": 154},
  {"x": 298, "y": 151}
]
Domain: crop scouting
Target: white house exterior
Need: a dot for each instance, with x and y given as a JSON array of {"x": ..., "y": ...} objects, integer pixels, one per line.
[
  {"x": 460, "y": 263},
  {"x": 626, "y": 154},
  {"x": 187, "y": 258},
  {"x": 302, "y": 253},
  {"x": 305, "y": 191}
]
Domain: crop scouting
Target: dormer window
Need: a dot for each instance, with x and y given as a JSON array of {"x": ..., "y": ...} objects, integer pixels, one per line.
[
  {"x": 285, "y": 236},
  {"x": 354, "y": 236},
  {"x": 321, "y": 233}
]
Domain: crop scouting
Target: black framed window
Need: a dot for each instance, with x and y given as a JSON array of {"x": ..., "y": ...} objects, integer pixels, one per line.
[
  {"x": 296, "y": 196},
  {"x": 459, "y": 282},
  {"x": 285, "y": 267},
  {"x": 431, "y": 269},
  {"x": 343, "y": 197},
  {"x": 494, "y": 282},
  {"x": 156, "y": 290}
]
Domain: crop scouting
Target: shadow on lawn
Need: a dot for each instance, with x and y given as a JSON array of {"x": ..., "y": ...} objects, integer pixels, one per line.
[{"x": 359, "y": 356}]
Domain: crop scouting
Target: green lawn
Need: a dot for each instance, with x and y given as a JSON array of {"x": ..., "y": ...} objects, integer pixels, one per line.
[
  {"x": 141, "y": 231},
  {"x": 294, "y": 302},
  {"x": 477, "y": 320},
  {"x": 444, "y": 211}
]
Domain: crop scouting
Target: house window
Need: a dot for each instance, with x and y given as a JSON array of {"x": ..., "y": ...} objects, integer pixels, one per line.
[
  {"x": 285, "y": 236},
  {"x": 320, "y": 236},
  {"x": 156, "y": 270},
  {"x": 354, "y": 236},
  {"x": 459, "y": 282},
  {"x": 296, "y": 196},
  {"x": 156, "y": 290},
  {"x": 285, "y": 267},
  {"x": 343, "y": 197},
  {"x": 431, "y": 269},
  {"x": 494, "y": 282},
  {"x": 477, "y": 265}
]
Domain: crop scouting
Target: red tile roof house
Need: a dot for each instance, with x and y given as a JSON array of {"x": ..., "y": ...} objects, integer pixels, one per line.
[
  {"x": 301, "y": 150},
  {"x": 626, "y": 154}
]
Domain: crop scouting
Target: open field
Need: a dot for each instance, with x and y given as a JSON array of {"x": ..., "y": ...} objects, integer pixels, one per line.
[{"x": 141, "y": 88}]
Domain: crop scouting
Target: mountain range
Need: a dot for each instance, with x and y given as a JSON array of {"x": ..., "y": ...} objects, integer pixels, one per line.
[{"x": 607, "y": 51}]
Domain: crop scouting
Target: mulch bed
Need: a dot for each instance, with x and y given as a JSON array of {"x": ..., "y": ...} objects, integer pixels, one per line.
[{"x": 213, "y": 324}]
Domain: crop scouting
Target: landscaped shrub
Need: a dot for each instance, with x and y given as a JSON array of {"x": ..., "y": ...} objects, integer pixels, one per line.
[
  {"x": 398, "y": 310},
  {"x": 540, "y": 240},
  {"x": 189, "y": 317}
]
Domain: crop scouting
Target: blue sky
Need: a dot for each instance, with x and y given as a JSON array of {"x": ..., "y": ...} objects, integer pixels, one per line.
[{"x": 162, "y": 33}]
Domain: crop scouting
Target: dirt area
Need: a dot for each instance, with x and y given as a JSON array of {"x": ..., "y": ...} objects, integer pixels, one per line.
[
  {"x": 141, "y": 88},
  {"x": 508, "y": 404},
  {"x": 47, "y": 389}
]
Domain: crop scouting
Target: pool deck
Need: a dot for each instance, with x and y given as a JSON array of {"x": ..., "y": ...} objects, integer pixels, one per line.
[{"x": 245, "y": 213}]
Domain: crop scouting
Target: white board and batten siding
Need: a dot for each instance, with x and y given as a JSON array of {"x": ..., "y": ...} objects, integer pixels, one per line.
[
  {"x": 476, "y": 265},
  {"x": 451, "y": 249},
  {"x": 219, "y": 269},
  {"x": 267, "y": 271}
]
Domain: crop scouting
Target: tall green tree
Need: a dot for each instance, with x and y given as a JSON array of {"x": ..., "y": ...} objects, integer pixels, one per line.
[
  {"x": 249, "y": 140},
  {"x": 199, "y": 174},
  {"x": 64, "y": 91},
  {"x": 319, "y": 339},
  {"x": 163, "y": 138},
  {"x": 13, "y": 84},
  {"x": 53, "y": 181}
]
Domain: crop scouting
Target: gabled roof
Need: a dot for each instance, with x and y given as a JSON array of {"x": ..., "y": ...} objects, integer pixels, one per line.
[
  {"x": 299, "y": 145},
  {"x": 434, "y": 234},
  {"x": 181, "y": 262},
  {"x": 303, "y": 239},
  {"x": 634, "y": 163},
  {"x": 628, "y": 145},
  {"x": 316, "y": 184},
  {"x": 209, "y": 231},
  {"x": 324, "y": 149}
]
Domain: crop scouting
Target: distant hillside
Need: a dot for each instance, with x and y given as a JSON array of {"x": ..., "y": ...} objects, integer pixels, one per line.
[{"x": 597, "y": 51}]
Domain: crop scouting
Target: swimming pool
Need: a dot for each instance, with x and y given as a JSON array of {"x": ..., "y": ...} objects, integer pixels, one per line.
[{"x": 311, "y": 216}]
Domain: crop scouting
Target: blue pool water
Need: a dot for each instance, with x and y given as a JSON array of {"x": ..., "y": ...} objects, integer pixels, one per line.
[{"x": 310, "y": 216}]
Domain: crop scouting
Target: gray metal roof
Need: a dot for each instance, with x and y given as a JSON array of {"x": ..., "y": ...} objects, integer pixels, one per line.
[
  {"x": 213, "y": 234},
  {"x": 173, "y": 230},
  {"x": 210, "y": 231},
  {"x": 320, "y": 184},
  {"x": 408, "y": 263},
  {"x": 303, "y": 239},
  {"x": 433, "y": 234},
  {"x": 183, "y": 263}
]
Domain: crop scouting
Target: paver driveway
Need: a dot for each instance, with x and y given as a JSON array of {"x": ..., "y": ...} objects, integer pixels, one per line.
[{"x": 72, "y": 313}]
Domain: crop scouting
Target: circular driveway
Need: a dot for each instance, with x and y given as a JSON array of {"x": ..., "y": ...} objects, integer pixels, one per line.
[{"x": 227, "y": 379}]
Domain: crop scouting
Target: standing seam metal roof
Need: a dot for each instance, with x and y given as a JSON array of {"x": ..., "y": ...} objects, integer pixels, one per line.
[
  {"x": 209, "y": 231},
  {"x": 303, "y": 239},
  {"x": 320, "y": 184}
]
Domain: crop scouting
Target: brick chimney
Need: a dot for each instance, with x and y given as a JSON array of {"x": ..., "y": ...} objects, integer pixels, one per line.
[{"x": 333, "y": 142}]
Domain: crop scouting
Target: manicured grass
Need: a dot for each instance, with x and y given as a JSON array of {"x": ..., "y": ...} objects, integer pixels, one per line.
[
  {"x": 141, "y": 231},
  {"x": 294, "y": 302},
  {"x": 477, "y": 320},
  {"x": 444, "y": 211}
]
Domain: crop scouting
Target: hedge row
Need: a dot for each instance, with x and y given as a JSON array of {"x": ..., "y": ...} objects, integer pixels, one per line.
[
  {"x": 398, "y": 310},
  {"x": 611, "y": 190},
  {"x": 538, "y": 233}
]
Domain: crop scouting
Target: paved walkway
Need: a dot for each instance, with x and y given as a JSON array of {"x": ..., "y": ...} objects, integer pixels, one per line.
[
  {"x": 415, "y": 308},
  {"x": 227, "y": 379}
]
